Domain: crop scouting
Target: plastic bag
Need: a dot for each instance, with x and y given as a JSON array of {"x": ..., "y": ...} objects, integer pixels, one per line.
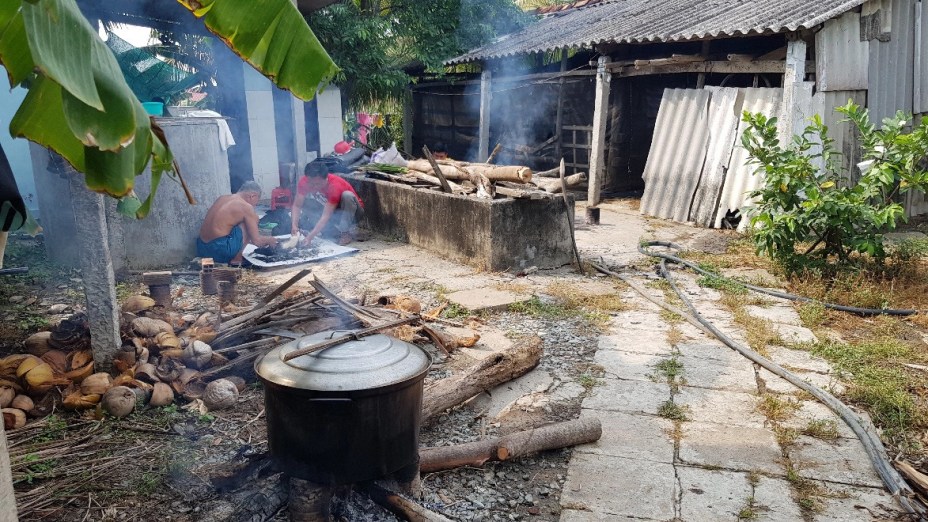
[{"x": 390, "y": 156}]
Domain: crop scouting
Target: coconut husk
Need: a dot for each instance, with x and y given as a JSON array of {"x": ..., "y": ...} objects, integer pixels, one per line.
[
  {"x": 161, "y": 395},
  {"x": 79, "y": 374},
  {"x": 167, "y": 341},
  {"x": 80, "y": 359},
  {"x": 38, "y": 343},
  {"x": 119, "y": 401},
  {"x": 9, "y": 365},
  {"x": 57, "y": 359},
  {"x": 147, "y": 372},
  {"x": 71, "y": 334},
  {"x": 148, "y": 327},
  {"x": 168, "y": 370},
  {"x": 13, "y": 419},
  {"x": 137, "y": 303},
  {"x": 75, "y": 400},
  {"x": 7, "y": 394}
]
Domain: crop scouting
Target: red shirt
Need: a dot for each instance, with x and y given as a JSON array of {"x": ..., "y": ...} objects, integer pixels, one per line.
[{"x": 333, "y": 193}]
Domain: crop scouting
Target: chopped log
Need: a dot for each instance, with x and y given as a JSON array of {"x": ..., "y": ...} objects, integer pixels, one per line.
[
  {"x": 460, "y": 171},
  {"x": 915, "y": 477},
  {"x": 522, "y": 193},
  {"x": 402, "y": 506},
  {"x": 553, "y": 173},
  {"x": 553, "y": 186},
  {"x": 309, "y": 502},
  {"x": 474, "y": 454},
  {"x": 486, "y": 374},
  {"x": 432, "y": 180},
  {"x": 560, "y": 435},
  {"x": 513, "y": 173},
  {"x": 519, "y": 444}
]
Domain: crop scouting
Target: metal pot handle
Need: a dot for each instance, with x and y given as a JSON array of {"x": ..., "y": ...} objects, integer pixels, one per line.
[{"x": 331, "y": 399}]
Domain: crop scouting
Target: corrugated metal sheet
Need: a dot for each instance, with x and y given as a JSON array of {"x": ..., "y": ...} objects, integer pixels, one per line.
[
  {"x": 740, "y": 179},
  {"x": 844, "y": 133},
  {"x": 630, "y": 21},
  {"x": 892, "y": 67},
  {"x": 677, "y": 154},
  {"x": 921, "y": 56},
  {"x": 841, "y": 59},
  {"x": 724, "y": 117},
  {"x": 916, "y": 204}
]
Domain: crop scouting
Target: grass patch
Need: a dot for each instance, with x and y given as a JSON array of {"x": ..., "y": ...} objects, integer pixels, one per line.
[
  {"x": 588, "y": 381},
  {"x": 718, "y": 282},
  {"x": 455, "y": 311},
  {"x": 758, "y": 332},
  {"x": 535, "y": 307},
  {"x": 670, "y": 368},
  {"x": 812, "y": 315},
  {"x": 824, "y": 429},
  {"x": 674, "y": 335},
  {"x": 673, "y": 411},
  {"x": 777, "y": 409}
]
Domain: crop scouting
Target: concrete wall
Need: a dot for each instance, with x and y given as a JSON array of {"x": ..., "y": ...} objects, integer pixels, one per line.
[
  {"x": 167, "y": 236},
  {"x": 501, "y": 234},
  {"x": 260, "y": 102},
  {"x": 331, "y": 130},
  {"x": 17, "y": 151}
]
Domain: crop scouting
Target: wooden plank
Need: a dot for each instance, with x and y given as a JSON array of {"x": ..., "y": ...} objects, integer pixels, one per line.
[
  {"x": 734, "y": 57},
  {"x": 578, "y": 128},
  {"x": 483, "y": 149},
  {"x": 445, "y": 186},
  {"x": 559, "y": 118},
  {"x": 722, "y": 67},
  {"x": 600, "y": 117}
]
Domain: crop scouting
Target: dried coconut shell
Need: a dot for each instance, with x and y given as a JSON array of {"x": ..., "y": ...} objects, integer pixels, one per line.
[
  {"x": 37, "y": 343},
  {"x": 13, "y": 419},
  {"x": 239, "y": 383},
  {"x": 27, "y": 363},
  {"x": 39, "y": 378},
  {"x": 148, "y": 327},
  {"x": 119, "y": 401},
  {"x": 57, "y": 359},
  {"x": 168, "y": 370},
  {"x": 80, "y": 359},
  {"x": 162, "y": 395},
  {"x": 198, "y": 354},
  {"x": 78, "y": 401},
  {"x": 167, "y": 341},
  {"x": 96, "y": 384},
  {"x": 147, "y": 373},
  {"x": 220, "y": 394},
  {"x": 22, "y": 402},
  {"x": 124, "y": 380},
  {"x": 79, "y": 374},
  {"x": 137, "y": 303},
  {"x": 194, "y": 389},
  {"x": 10, "y": 364},
  {"x": 5, "y": 383},
  {"x": 6, "y": 396}
]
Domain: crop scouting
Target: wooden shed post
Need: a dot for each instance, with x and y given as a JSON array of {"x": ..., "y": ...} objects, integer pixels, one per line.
[
  {"x": 598, "y": 145},
  {"x": 791, "y": 114},
  {"x": 409, "y": 116},
  {"x": 485, "y": 97},
  {"x": 559, "y": 119}
]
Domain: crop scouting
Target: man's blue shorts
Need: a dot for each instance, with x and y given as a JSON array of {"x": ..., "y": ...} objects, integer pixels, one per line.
[{"x": 222, "y": 249}]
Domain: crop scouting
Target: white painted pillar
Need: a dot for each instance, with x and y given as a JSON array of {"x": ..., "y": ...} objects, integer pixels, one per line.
[
  {"x": 7, "y": 495},
  {"x": 600, "y": 118},
  {"x": 486, "y": 97},
  {"x": 792, "y": 118}
]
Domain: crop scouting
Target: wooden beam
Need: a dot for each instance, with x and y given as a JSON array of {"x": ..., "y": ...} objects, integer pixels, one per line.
[
  {"x": 483, "y": 149},
  {"x": 600, "y": 118},
  {"x": 722, "y": 67},
  {"x": 559, "y": 118},
  {"x": 791, "y": 117}
]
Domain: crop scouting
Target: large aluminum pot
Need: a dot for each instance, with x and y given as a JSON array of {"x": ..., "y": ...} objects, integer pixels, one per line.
[{"x": 349, "y": 413}]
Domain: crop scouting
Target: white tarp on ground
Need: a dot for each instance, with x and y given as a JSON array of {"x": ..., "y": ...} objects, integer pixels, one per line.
[
  {"x": 696, "y": 169},
  {"x": 322, "y": 249}
]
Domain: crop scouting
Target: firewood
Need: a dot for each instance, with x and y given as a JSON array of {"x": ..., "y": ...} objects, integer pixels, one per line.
[
  {"x": 915, "y": 477},
  {"x": 552, "y": 436},
  {"x": 460, "y": 171},
  {"x": 486, "y": 374},
  {"x": 553, "y": 186},
  {"x": 403, "y": 507}
]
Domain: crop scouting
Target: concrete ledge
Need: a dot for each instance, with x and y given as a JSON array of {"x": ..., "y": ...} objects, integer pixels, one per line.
[{"x": 500, "y": 234}]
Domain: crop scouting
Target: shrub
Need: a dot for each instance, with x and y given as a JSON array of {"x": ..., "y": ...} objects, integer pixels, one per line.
[{"x": 808, "y": 213}]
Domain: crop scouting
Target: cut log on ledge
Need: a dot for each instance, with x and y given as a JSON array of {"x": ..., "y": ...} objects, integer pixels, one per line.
[
  {"x": 553, "y": 186},
  {"x": 486, "y": 374},
  {"x": 519, "y": 444},
  {"x": 459, "y": 171}
]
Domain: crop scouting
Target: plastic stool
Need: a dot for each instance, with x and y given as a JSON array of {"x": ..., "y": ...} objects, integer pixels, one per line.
[{"x": 281, "y": 198}]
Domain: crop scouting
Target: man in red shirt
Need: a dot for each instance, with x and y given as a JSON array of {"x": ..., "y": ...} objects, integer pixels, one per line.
[{"x": 341, "y": 206}]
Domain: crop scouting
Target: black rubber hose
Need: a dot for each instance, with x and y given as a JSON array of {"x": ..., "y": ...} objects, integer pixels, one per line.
[
  {"x": 866, "y": 312},
  {"x": 892, "y": 480}
]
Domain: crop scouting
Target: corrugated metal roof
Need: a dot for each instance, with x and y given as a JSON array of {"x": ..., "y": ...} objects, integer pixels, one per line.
[{"x": 633, "y": 21}]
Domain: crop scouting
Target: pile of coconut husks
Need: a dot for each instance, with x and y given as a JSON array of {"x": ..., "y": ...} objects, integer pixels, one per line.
[{"x": 199, "y": 359}]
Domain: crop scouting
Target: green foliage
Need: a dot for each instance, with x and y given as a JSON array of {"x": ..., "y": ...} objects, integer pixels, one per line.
[
  {"x": 373, "y": 40},
  {"x": 80, "y": 106},
  {"x": 455, "y": 311},
  {"x": 719, "y": 282},
  {"x": 673, "y": 411},
  {"x": 807, "y": 203}
]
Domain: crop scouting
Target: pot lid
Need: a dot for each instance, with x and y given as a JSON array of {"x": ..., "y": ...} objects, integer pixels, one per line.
[{"x": 371, "y": 362}]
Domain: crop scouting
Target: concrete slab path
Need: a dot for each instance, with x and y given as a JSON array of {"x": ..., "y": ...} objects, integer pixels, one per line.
[{"x": 718, "y": 457}]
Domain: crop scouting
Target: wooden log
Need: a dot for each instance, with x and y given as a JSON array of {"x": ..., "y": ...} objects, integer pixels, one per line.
[
  {"x": 496, "y": 150},
  {"x": 402, "y": 506},
  {"x": 459, "y": 171},
  {"x": 554, "y": 436},
  {"x": 432, "y": 180},
  {"x": 519, "y": 444},
  {"x": 915, "y": 477},
  {"x": 486, "y": 374},
  {"x": 553, "y": 173},
  {"x": 553, "y": 186},
  {"x": 436, "y": 169}
]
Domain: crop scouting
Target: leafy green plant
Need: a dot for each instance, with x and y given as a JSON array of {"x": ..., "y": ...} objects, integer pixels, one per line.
[
  {"x": 673, "y": 411},
  {"x": 808, "y": 212}
]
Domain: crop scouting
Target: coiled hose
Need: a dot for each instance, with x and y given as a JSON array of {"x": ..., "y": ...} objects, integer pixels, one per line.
[{"x": 892, "y": 480}]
